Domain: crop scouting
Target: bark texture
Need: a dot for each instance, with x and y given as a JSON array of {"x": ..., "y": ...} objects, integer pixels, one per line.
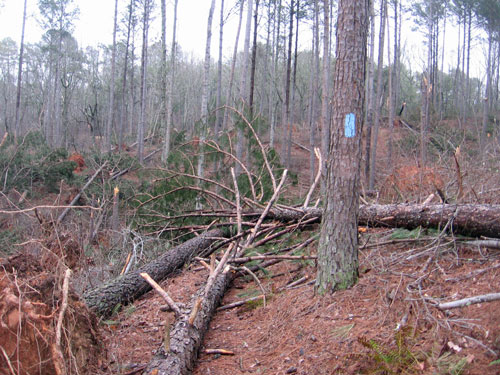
[
  {"x": 473, "y": 220},
  {"x": 186, "y": 339},
  {"x": 338, "y": 244},
  {"x": 128, "y": 287}
]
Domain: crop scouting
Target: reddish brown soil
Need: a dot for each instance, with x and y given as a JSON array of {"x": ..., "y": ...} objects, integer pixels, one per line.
[
  {"x": 300, "y": 332},
  {"x": 30, "y": 302}
]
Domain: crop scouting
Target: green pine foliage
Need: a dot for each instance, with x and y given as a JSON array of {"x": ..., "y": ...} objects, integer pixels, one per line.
[{"x": 30, "y": 163}]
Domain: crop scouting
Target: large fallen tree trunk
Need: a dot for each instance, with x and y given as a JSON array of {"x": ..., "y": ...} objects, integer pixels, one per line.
[
  {"x": 179, "y": 358},
  {"x": 466, "y": 219},
  {"x": 126, "y": 288}
]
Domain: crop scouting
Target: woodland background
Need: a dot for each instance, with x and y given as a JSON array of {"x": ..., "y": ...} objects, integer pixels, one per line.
[{"x": 112, "y": 154}]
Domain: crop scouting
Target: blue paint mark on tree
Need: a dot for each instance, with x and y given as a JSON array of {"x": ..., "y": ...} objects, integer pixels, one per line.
[{"x": 350, "y": 125}]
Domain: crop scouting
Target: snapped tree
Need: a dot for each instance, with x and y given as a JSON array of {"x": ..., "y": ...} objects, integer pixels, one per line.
[{"x": 338, "y": 246}]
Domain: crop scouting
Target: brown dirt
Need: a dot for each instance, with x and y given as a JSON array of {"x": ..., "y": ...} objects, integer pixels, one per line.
[
  {"x": 300, "y": 332},
  {"x": 30, "y": 301}
]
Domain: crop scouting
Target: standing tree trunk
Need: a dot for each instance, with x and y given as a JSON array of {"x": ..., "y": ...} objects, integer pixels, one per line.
[
  {"x": 391, "y": 101},
  {"x": 111, "y": 111},
  {"x": 325, "y": 89},
  {"x": 286, "y": 108},
  {"x": 378, "y": 95},
  {"x": 370, "y": 99},
  {"x": 313, "y": 87},
  {"x": 293, "y": 88},
  {"x": 163, "y": 70},
  {"x": 276, "y": 37},
  {"x": 338, "y": 245},
  {"x": 170, "y": 92},
  {"x": 486, "y": 98},
  {"x": 243, "y": 87},
  {"x": 124, "y": 84},
  {"x": 229, "y": 92},
  {"x": 144, "y": 64},
  {"x": 57, "y": 91},
  {"x": 19, "y": 75},
  {"x": 218, "y": 109},
  {"x": 254, "y": 59},
  {"x": 204, "y": 100}
]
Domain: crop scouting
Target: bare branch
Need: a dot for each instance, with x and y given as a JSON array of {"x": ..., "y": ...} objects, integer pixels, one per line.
[
  {"x": 317, "y": 152},
  {"x": 469, "y": 301},
  {"x": 170, "y": 302},
  {"x": 254, "y": 231}
]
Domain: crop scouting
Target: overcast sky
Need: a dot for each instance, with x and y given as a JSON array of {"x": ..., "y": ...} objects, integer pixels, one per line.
[
  {"x": 95, "y": 23},
  {"x": 95, "y": 26}
]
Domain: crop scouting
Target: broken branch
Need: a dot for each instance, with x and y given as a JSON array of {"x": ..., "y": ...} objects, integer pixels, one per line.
[
  {"x": 469, "y": 301},
  {"x": 170, "y": 302}
]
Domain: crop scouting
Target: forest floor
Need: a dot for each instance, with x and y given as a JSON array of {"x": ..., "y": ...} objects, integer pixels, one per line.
[{"x": 386, "y": 324}]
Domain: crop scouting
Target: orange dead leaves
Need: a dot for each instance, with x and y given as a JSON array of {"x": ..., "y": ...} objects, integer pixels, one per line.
[
  {"x": 407, "y": 181},
  {"x": 78, "y": 159}
]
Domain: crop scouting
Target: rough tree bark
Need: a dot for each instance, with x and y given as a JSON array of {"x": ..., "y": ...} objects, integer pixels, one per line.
[
  {"x": 467, "y": 219},
  {"x": 127, "y": 288},
  {"x": 185, "y": 339},
  {"x": 338, "y": 244}
]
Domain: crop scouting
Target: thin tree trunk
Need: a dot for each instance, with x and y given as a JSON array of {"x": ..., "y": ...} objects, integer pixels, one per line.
[
  {"x": 163, "y": 69},
  {"x": 286, "y": 108},
  {"x": 325, "y": 87},
  {"x": 19, "y": 75},
  {"x": 57, "y": 91},
  {"x": 391, "y": 101},
  {"x": 370, "y": 93},
  {"x": 204, "y": 99},
  {"x": 378, "y": 95},
  {"x": 482, "y": 141},
  {"x": 229, "y": 92},
  {"x": 219, "y": 113},
  {"x": 269, "y": 58},
  {"x": 132, "y": 94},
  {"x": 111, "y": 110},
  {"x": 243, "y": 87},
  {"x": 313, "y": 88},
  {"x": 254, "y": 60},
  {"x": 467, "y": 86},
  {"x": 170, "y": 92},
  {"x": 144, "y": 63},
  {"x": 124, "y": 77},
  {"x": 275, "y": 69},
  {"x": 294, "y": 87}
]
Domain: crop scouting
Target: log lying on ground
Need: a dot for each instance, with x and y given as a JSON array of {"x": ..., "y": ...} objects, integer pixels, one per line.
[
  {"x": 186, "y": 339},
  {"x": 473, "y": 220},
  {"x": 126, "y": 288}
]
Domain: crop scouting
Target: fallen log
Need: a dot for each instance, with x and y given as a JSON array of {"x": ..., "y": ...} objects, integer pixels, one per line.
[
  {"x": 126, "y": 288},
  {"x": 185, "y": 338},
  {"x": 473, "y": 220}
]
